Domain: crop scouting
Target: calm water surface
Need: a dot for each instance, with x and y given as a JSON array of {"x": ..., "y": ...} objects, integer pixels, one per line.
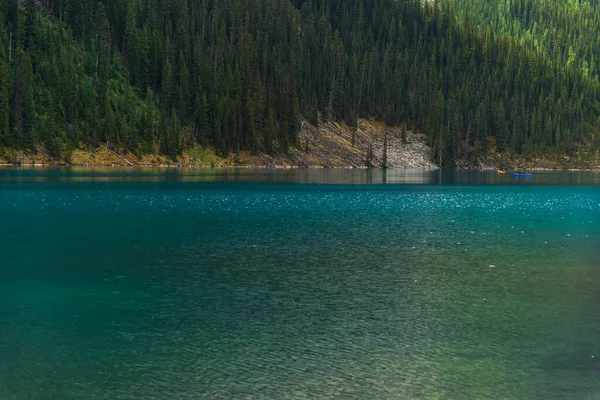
[{"x": 208, "y": 284}]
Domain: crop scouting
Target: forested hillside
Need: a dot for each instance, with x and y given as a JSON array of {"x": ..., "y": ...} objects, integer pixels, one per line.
[
  {"x": 567, "y": 32},
  {"x": 160, "y": 75}
]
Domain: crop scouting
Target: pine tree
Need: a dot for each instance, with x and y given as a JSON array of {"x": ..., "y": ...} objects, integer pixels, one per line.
[
  {"x": 28, "y": 132},
  {"x": 5, "y": 82},
  {"x": 168, "y": 87},
  {"x": 241, "y": 74},
  {"x": 103, "y": 54},
  {"x": 4, "y": 100}
]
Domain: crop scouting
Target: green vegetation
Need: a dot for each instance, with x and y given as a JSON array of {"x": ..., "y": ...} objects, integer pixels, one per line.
[
  {"x": 160, "y": 76},
  {"x": 565, "y": 35},
  {"x": 566, "y": 32}
]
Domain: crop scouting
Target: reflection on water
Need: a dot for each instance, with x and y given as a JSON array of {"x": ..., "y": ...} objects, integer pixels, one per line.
[
  {"x": 112, "y": 288},
  {"x": 357, "y": 176}
]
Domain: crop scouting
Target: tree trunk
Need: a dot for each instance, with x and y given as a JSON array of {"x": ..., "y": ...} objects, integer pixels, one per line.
[
  {"x": 331, "y": 99},
  {"x": 441, "y": 146},
  {"x": 354, "y": 129},
  {"x": 384, "y": 161},
  {"x": 360, "y": 88}
]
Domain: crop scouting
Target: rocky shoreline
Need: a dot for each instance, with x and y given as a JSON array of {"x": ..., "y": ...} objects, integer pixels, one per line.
[
  {"x": 330, "y": 145},
  {"x": 370, "y": 144}
]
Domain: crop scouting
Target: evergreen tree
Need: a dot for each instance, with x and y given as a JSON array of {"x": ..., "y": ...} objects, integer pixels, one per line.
[
  {"x": 514, "y": 76},
  {"x": 5, "y": 82}
]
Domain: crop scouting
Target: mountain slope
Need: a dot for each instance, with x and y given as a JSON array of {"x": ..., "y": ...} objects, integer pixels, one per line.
[
  {"x": 566, "y": 32},
  {"x": 155, "y": 75},
  {"x": 58, "y": 92}
]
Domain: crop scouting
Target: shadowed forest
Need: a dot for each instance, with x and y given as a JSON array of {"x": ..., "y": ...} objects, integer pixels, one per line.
[{"x": 159, "y": 76}]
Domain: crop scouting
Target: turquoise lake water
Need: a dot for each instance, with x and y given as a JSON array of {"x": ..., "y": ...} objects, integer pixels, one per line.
[{"x": 274, "y": 284}]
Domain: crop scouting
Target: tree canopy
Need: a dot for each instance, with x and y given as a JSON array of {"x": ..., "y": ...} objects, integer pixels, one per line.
[{"x": 158, "y": 75}]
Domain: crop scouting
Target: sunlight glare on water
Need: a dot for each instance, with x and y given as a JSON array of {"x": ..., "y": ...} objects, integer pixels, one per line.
[{"x": 298, "y": 284}]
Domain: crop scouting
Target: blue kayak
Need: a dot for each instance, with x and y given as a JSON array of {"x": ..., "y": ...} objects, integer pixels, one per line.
[{"x": 525, "y": 175}]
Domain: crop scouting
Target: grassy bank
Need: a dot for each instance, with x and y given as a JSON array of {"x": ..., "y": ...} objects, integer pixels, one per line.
[
  {"x": 588, "y": 159},
  {"x": 329, "y": 145}
]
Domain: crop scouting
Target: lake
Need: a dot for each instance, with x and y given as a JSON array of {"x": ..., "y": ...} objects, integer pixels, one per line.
[{"x": 302, "y": 283}]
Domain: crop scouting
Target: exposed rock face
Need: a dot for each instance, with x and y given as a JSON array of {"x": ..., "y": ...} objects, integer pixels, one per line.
[
  {"x": 370, "y": 144},
  {"x": 330, "y": 145}
]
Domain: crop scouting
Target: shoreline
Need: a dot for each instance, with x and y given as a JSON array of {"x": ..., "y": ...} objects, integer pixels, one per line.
[
  {"x": 307, "y": 167},
  {"x": 331, "y": 145}
]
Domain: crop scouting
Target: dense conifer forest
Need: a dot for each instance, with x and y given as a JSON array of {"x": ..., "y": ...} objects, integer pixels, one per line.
[
  {"x": 567, "y": 32},
  {"x": 518, "y": 76}
]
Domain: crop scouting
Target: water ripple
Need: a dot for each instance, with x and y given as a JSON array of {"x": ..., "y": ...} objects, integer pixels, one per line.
[{"x": 299, "y": 292}]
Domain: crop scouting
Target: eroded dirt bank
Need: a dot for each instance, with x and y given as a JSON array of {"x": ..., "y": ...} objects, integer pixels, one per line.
[{"x": 329, "y": 145}]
